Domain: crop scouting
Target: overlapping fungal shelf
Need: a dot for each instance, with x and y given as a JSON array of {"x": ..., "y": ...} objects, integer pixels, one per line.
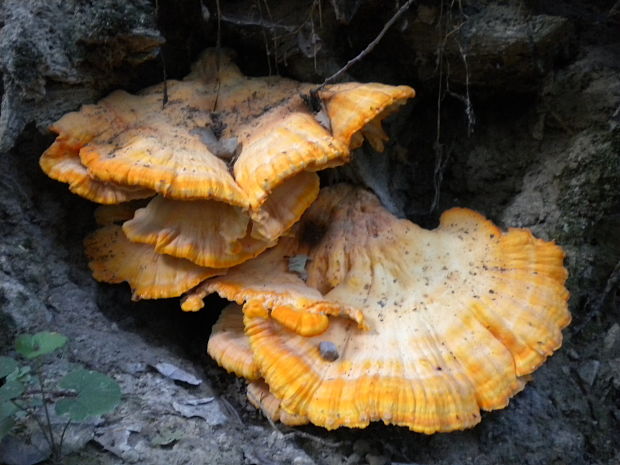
[{"x": 342, "y": 314}]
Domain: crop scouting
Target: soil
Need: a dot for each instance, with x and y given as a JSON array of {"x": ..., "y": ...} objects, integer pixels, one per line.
[{"x": 526, "y": 131}]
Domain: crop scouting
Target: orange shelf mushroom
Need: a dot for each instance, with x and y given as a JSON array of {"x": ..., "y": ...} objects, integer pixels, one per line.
[
  {"x": 270, "y": 286},
  {"x": 62, "y": 163},
  {"x": 457, "y": 317},
  {"x": 230, "y": 347},
  {"x": 233, "y": 158},
  {"x": 213, "y": 120},
  {"x": 114, "y": 259},
  {"x": 208, "y": 233}
]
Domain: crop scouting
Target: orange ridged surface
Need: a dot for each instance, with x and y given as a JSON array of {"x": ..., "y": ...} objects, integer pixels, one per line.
[
  {"x": 62, "y": 163},
  {"x": 230, "y": 347},
  {"x": 217, "y": 135},
  {"x": 205, "y": 232},
  {"x": 457, "y": 317},
  {"x": 286, "y": 141},
  {"x": 356, "y": 108},
  {"x": 114, "y": 259},
  {"x": 160, "y": 148},
  {"x": 284, "y": 206},
  {"x": 267, "y": 283},
  {"x": 260, "y": 397}
]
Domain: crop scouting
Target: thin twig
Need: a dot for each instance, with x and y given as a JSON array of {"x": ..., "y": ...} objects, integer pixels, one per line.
[
  {"x": 369, "y": 47},
  {"x": 164, "y": 99},
  {"x": 62, "y": 436},
  {"x": 37, "y": 420},
  {"x": 37, "y": 373}
]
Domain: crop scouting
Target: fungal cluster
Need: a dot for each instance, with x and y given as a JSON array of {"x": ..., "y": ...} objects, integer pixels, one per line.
[{"x": 342, "y": 314}]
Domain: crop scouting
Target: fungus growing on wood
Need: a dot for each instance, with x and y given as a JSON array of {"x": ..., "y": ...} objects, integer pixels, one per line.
[{"x": 457, "y": 317}]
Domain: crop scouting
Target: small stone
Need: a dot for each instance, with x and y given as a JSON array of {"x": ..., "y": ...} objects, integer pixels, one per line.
[
  {"x": 177, "y": 374},
  {"x": 329, "y": 351},
  {"x": 588, "y": 371}
]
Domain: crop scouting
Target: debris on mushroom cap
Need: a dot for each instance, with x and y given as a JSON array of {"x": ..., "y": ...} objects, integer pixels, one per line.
[
  {"x": 260, "y": 397},
  {"x": 268, "y": 287},
  {"x": 62, "y": 163},
  {"x": 205, "y": 232},
  {"x": 458, "y": 317},
  {"x": 230, "y": 347},
  {"x": 114, "y": 259}
]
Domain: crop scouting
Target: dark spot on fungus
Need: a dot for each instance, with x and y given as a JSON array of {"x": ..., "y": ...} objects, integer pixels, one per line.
[
  {"x": 329, "y": 351},
  {"x": 312, "y": 233}
]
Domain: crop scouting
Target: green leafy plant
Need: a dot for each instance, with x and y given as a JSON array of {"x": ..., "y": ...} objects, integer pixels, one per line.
[{"x": 79, "y": 394}]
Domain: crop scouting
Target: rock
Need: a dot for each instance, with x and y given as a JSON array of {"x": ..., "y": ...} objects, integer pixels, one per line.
[
  {"x": 177, "y": 374},
  {"x": 50, "y": 65},
  {"x": 361, "y": 447},
  {"x": 588, "y": 371},
  {"x": 209, "y": 409},
  {"x": 611, "y": 343},
  {"x": 493, "y": 48}
]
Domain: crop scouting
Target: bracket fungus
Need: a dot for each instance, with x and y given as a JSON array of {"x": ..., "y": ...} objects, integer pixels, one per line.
[
  {"x": 456, "y": 317},
  {"x": 229, "y": 160},
  {"x": 344, "y": 314}
]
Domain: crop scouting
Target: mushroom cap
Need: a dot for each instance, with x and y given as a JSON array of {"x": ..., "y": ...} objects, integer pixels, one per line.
[
  {"x": 176, "y": 148},
  {"x": 62, "y": 163},
  {"x": 284, "y": 206},
  {"x": 267, "y": 286},
  {"x": 208, "y": 233},
  {"x": 114, "y": 259},
  {"x": 230, "y": 347},
  {"x": 357, "y": 110},
  {"x": 159, "y": 147},
  {"x": 457, "y": 317}
]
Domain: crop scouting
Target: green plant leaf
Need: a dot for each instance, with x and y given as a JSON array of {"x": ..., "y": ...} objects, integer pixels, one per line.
[
  {"x": 7, "y": 366},
  {"x": 10, "y": 390},
  {"x": 96, "y": 394},
  {"x": 35, "y": 345}
]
